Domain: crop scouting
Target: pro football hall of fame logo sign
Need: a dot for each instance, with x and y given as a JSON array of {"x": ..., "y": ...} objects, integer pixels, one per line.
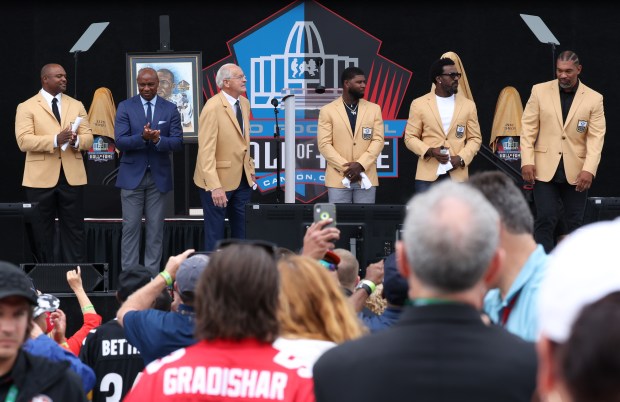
[{"x": 306, "y": 46}]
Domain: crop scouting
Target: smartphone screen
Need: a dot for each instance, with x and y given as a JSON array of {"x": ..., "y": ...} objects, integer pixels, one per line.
[{"x": 324, "y": 211}]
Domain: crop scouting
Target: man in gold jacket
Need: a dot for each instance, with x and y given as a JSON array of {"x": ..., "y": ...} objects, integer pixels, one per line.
[
  {"x": 350, "y": 138},
  {"x": 54, "y": 173},
  {"x": 561, "y": 144},
  {"x": 224, "y": 169},
  {"x": 442, "y": 129}
]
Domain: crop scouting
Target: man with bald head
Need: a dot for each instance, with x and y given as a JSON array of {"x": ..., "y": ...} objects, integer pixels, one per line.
[
  {"x": 147, "y": 129},
  {"x": 54, "y": 173}
]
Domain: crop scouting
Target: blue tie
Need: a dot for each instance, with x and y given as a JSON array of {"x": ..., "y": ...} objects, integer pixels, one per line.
[{"x": 149, "y": 113}]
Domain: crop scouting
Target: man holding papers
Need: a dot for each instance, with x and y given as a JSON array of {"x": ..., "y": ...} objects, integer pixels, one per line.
[{"x": 52, "y": 129}]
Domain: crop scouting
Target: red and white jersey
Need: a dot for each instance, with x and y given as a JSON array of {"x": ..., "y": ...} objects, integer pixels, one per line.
[
  {"x": 304, "y": 352},
  {"x": 225, "y": 370}
]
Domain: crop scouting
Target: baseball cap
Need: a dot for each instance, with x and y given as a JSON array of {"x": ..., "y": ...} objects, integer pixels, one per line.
[
  {"x": 582, "y": 269},
  {"x": 14, "y": 282},
  {"x": 189, "y": 272},
  {"x": 395, "y": 287},
  {"x": 46, "y": 303},
  {"x": 131, "y": 280}
]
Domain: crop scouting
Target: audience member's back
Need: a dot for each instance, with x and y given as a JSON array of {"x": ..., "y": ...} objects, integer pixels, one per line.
[
  {"x": 236, "y": 325},
  {"x": 348, "y": 276},
  {"x": 395, "y": 289},
  {"x": 591, "y": 359},
  {"x": 512, "y": 299},
  {"x": 313, "y": 312},
  {"x": 439, "y": 350},
  {"x": 115, "y": 361},
  {"x": 158, "y": 333},
  {"x": 579, "y": 318}
]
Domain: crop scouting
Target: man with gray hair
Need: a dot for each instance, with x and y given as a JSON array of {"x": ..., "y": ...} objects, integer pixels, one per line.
[
  {"x": 511, "y": 302},
  {"x": 224, "y": 170},
  {"x": 440, "y": 349}
]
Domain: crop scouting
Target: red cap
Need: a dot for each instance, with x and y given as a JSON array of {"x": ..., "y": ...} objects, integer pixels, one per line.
[{"x": 332, "y": 257}]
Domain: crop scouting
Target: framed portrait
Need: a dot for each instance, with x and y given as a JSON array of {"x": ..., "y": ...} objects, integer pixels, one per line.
[{"x": 180, "y": 82}]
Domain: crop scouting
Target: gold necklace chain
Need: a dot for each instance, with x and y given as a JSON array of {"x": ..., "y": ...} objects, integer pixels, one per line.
[{"x": 352, "y": 110}]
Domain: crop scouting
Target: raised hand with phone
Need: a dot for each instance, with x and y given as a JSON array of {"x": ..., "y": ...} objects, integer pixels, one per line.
[{"x": 323, "y": 233}]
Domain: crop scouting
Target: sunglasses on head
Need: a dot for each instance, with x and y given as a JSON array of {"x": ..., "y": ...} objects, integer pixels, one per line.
[{"x": 269, "y": 247}]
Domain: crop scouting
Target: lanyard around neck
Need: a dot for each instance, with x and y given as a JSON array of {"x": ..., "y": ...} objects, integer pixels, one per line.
[
  {"x": 427, "y": 301},
  {"x": 11, "y": 396}
]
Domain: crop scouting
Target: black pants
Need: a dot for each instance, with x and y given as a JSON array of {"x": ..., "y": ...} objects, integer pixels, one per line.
[
  {"x": 66, "y": 203},
  {"x": 551, "y": 198}
]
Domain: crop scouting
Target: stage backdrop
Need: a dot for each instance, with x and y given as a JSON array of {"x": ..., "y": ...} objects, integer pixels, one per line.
[{"x": 281, "y": 45}]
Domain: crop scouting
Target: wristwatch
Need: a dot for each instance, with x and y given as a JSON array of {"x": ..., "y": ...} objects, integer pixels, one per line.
[
  {"x": 462, "y": 162},
  {"x": 365, "y": 287}
]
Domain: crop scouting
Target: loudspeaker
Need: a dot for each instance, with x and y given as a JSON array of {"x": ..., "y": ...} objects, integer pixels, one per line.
[
  {"x": 18, "y": 218},
  {"x": 105, "y": 304},
  {"x": 14, "y": 247},
  {"x": 164, "y": 33},
  {"x": 52, "y": 278}
]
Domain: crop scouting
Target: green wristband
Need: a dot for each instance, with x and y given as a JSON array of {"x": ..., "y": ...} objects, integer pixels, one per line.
[
  {"x": 370, "y": 284},
  {"x": 88, "y": 307},
  {"x": 167, "y": 277}
]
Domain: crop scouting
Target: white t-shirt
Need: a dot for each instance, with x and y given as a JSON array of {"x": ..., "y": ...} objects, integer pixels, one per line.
[{"x": 446, "y": 111}]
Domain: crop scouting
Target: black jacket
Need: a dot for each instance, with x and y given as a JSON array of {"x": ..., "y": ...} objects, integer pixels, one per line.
[
  {"x": 434, "y": 353},
  {"x": 35, "y": 376}
]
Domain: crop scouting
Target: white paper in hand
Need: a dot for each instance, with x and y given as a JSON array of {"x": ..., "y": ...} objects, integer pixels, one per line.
[
  {"x": 444, "y": 168},
  {"x": 74, "y": 128}
]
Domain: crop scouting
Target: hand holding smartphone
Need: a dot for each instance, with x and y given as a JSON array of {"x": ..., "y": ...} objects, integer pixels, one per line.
[{"x": 324, "y": 211}]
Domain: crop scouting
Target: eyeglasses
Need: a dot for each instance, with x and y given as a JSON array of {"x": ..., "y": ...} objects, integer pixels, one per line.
[
  {"x": 453, "y": 75},
  {"x": 269, "y": 247},
  {"x": 237, "y": 77}
]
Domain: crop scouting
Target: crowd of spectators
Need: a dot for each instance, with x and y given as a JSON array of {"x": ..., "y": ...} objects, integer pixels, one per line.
[{"x": 468, "y": 307}]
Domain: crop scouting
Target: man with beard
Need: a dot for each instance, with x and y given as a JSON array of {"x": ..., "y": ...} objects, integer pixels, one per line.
[
  {"x": 442, "y": 129},
  {"x": 563, "y": 132},
  {"x": 350, "y": 138}
]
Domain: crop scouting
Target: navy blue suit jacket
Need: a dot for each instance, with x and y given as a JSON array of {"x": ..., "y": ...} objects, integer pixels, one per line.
[{"x": 137, "y": 154}]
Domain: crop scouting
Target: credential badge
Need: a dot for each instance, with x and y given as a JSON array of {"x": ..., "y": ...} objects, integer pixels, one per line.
[
  {"x": 460, "y": 131},
  {"x": 582, "y": 126},
  {"x": 366, "y": 133}
]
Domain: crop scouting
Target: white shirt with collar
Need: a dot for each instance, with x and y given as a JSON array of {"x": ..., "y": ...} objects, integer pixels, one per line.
[
  {"x": 153, "y": 102},
  {"x": 232, "y": 102},
  {"x": 49, "y": 97}
]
